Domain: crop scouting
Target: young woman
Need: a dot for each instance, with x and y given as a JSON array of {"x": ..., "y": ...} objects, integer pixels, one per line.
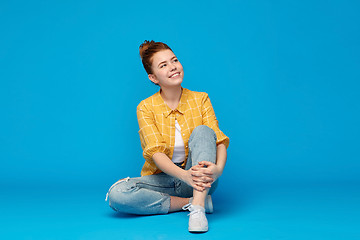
[{"x": 183, "y": 147}]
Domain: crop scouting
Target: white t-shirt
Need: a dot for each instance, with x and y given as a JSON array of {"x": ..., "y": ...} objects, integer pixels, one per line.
[{"x": 179, "y": 150}]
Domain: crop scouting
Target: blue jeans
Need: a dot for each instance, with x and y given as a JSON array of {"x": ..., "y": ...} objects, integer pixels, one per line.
[{"x": 151, "y": 194}]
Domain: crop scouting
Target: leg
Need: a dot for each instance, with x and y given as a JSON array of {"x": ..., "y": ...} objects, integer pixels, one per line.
[
  {"x": 176, "y": 203},
  {"x": 202, "y": 144},
  {"x": 202, "y": 147},
  {"x": 143, "y": 195}
]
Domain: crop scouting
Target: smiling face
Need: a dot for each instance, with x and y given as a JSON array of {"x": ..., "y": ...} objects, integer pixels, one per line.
[{"x": 167, "y": 71}]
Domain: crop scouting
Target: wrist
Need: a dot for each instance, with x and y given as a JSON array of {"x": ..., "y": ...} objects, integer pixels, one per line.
[
  {"x": 182, "y": 175},
  {"x": 220, "y": 170}
]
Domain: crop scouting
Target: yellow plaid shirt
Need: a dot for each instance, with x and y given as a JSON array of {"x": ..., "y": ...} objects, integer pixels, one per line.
[{"x": 157, "y": 124}]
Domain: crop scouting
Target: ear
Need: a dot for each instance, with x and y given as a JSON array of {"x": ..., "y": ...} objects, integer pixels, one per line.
[{"x": 153, "y": 78}]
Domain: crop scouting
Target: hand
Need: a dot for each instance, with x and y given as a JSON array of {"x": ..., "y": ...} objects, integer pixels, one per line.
[
  {"x": 198, "y": 180},
  {"x": 210, "y": 169},
  {"x": 202, "y": 176}
]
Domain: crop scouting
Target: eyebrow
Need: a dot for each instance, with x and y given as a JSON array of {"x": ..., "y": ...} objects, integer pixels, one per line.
[{"x": 165, "y": 61}]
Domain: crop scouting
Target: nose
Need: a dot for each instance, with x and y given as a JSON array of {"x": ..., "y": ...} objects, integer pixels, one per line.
[{"x": 173, "y": 67}]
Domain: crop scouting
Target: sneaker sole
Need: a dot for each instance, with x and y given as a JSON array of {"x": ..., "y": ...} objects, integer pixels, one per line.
[{"x": 198, "y": 230}]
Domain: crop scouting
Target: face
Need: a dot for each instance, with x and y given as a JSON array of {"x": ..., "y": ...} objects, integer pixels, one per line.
[{"x": 167, "y": 70}]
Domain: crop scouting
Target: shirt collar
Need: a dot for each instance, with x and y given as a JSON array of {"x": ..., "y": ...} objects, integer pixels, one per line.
[{"x": 180, "y": 108}]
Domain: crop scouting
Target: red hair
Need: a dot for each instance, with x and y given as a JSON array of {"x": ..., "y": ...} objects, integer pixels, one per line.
[{"x": 147, "y": 50}]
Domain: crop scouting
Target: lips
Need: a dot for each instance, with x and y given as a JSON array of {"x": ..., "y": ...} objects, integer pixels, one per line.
[{"x": 175, "y": 74}]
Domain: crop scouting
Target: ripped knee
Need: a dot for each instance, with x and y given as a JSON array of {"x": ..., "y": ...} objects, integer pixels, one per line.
[
  {"x": 116, "y": 183},
  {"x": 120, "y": 194}
]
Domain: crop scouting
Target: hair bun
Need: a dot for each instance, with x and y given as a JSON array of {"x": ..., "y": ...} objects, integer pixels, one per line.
[{"x": 145, "y": 46}]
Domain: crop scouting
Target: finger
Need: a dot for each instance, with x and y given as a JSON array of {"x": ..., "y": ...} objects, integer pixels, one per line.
[
  {"x": 208, "y": 180},
  {"x": 198, "y": 174},
  {"x": 199, "y": 188},
  {"x": 206, "y": 163},
  {"x": 203, "y": 180},
  {"x": 200, "y": 165},
  {"x": 204, "y": 171},
  {"x": 196, "y": 168},
  {"x": 207, "y": 171},
  {"x": 202, "y": 177},
  {"x": 198, "y": 180},
  {"x": 206, "y": 185}
]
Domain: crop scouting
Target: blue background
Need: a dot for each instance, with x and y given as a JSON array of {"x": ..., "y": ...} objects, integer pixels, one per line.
[{"x": 283, "y": 78}]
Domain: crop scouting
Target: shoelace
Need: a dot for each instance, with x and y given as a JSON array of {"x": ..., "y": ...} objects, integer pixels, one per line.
[
  {"x": 195, "y": 212},
  {"x": 187, "y": 207},
  {"x": 190, "y": 207}
]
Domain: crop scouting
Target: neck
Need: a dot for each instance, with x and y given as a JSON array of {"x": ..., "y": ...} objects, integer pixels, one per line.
[{"x": 171, "y": 96}]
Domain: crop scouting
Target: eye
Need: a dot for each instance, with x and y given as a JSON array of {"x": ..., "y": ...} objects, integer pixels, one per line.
[
  {"x": 162, "y": 65},
  {"x": 175, "y": 60}
]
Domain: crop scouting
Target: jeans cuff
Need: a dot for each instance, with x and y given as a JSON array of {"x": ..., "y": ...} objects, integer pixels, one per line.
[{"x": 165, "y": 207}]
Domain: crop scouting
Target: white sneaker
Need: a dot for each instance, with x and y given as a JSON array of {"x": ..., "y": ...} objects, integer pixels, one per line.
[
  {"x": 209, "y": 208},
  {"x": 197, "y": 220}
]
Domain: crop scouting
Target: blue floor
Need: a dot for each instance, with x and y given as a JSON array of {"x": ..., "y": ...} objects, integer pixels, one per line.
[{"x": 298, "y": 212}]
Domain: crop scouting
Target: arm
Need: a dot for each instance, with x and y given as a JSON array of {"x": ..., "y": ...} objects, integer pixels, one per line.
[
  {"x": 210, "y": 120},
  {"x": 221, "y": 156},
  {"x": 163, "y": 162},
  {"x": 150, "y": 136}
]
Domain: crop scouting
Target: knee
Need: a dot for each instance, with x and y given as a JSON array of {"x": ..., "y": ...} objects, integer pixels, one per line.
[
  {"x": 203, "y": 131},
  {"x": 120, "y": 196}
]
